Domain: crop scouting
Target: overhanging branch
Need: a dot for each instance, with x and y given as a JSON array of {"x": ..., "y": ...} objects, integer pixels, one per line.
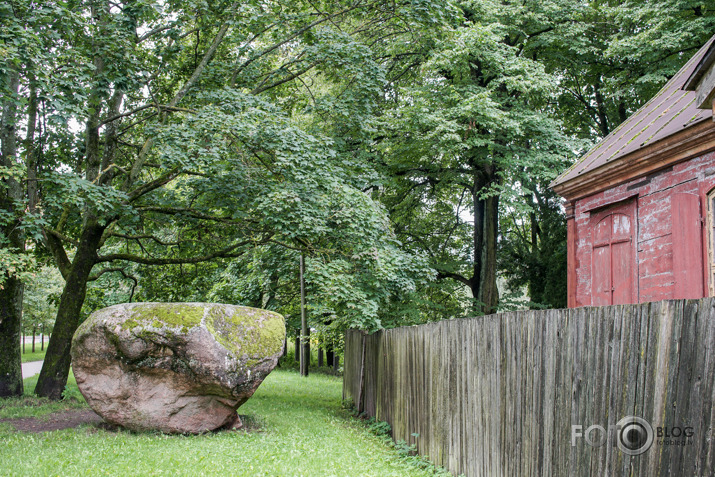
[
  {"x": 454, "y": 276},
  {"x": 155, "y": 184},
  {"x": 145, "y": 236},
  {"x": 124, "y": 274},
  {"x": 189, "y": 212},
  {"x": 228, "y": 252},
  {"x": 290, "y": 38}
]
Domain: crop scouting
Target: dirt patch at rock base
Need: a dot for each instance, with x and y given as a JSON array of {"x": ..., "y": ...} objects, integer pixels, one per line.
[
  {"x": 74, "y": 418},
  {"x": 56, "y": 421}
]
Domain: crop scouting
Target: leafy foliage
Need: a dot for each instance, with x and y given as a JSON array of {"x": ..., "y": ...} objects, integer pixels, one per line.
[
  {"x": 458, "y": 141},
  {"x": 41, "y": 295},
  {"x": 191, "y": 151},
  {"x": 178, "y": 133}
]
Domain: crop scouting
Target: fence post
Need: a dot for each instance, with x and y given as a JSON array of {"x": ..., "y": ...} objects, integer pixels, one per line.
[{"x": 361, "y": 389}]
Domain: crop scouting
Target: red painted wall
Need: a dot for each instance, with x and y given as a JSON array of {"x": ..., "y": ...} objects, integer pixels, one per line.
[{"x": 667, "y": 244}]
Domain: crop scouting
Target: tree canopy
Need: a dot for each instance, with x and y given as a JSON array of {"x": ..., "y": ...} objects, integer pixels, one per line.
[{"x": 175, "y": 151}]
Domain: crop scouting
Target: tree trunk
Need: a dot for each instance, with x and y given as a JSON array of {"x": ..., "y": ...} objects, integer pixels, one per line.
[
  {"x": 56, "y": 366},
  {"x": 336, "y": 362},
  {"x": 12, "y": 288},
  {"x": 30, "y": 156},
  {"x": 478, "y": 240},
  {"x": 305, "y": 355},
  {"x": 34, "y": 332},
  {"x": 10, "y": 335},
  {"x": 329, "y": 356},
  {"x": 486, "y": 226},
  {"x": 601, "y": 110},
  {"x": 488, "y": 292},
  {"x": 297, "y": 348},
  {"x": 320, "y": 357},
  {"x": 55, "y": 369},
  {"x": 304, "y": 331}
]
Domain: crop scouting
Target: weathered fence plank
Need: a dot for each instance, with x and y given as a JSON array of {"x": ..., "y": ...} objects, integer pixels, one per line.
[{"x": 498, "y": 395}]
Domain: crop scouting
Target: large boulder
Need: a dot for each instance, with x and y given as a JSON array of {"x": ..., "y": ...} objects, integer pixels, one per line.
[{"x": 174, "y": 367}]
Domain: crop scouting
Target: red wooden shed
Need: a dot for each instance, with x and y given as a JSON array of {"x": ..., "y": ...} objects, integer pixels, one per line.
[{"x": 641, "y": 204}]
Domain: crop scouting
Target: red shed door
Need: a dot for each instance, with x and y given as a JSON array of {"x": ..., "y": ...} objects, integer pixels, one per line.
[
  {"x": 687, "y": 246},
  {"x": 614, "y": 260}
]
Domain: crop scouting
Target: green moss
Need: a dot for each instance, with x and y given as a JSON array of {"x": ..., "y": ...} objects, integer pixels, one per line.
[
  {"x": 247, "y": 331},
  {"x": 130, "y": 324},
  {"x": 146, "y": 335},
  {"x": 114, "y": 340},
  {"x": 158, "y": 315}
]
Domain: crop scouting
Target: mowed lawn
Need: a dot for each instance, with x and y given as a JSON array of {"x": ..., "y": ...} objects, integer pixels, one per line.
[
  {"x": 302, "y": 431},
  {"x": 36, "y": 356}
]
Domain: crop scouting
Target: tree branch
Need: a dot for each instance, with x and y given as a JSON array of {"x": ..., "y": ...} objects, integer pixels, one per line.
[
  {"x": 290, "y": 77},
  {"x": 124, "y": 274},
  {"x": 189, "y": 212},
  {"x": 153, "y": 32},
  {"x": 54, "y": 244},
  {"x": 454, "y": 276},
  {"x": 144, "y": 153},
  {"x": 124, "y": 115},
  {"x": 60, "y": 236},
  {"x": 208, "y": 56},
  {"x": 103, "y": 173},
  {"x": 144, "y": 236},
  {"x": 290, "y": 38},
  {"x": 228, "y": 252},
  {"x": 153, "y": 185}
]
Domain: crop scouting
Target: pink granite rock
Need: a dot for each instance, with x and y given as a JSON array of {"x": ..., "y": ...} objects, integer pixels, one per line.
[{"x": 174, "y": 367}]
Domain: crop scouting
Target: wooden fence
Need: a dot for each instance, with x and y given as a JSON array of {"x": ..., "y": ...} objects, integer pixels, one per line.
[{"x": 498, "y": 395}]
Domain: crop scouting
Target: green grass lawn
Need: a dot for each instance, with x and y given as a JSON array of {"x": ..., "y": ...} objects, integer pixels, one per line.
[
  {"x": 36, "y": 356},
  {"x": 28, "y": 355},
  {"x": 303, "y": 432}
]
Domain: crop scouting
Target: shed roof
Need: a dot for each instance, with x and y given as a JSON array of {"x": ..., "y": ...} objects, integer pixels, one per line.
[{"x": 670, "y": 111}]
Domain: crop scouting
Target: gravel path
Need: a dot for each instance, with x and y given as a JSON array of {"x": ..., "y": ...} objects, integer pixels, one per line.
[{"x": 30, "y": 369}]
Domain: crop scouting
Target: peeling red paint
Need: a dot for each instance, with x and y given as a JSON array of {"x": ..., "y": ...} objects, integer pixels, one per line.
[{"x": 656, "y": 276}]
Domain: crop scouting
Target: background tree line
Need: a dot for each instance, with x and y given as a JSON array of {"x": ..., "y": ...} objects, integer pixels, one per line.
[{"x": 191, "y": 151}]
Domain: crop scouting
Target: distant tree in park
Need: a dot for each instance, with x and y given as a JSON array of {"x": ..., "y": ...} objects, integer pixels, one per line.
[{"x": 41, "y": 294}]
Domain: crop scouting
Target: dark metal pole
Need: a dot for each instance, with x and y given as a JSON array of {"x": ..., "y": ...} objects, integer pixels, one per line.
[{"x": 304, "y": 358}]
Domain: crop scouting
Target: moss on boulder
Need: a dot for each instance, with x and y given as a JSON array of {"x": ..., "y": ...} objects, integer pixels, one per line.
[
  {"x": 158, "y": 315},
  {"x": 174, "y": 367},
  {"x": 242, "y": 332}
]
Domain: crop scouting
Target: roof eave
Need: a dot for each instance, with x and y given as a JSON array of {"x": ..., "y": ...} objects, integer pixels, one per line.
[
  {"x": 692, "y": 82},
  {"x": 692, "y": 142}
]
